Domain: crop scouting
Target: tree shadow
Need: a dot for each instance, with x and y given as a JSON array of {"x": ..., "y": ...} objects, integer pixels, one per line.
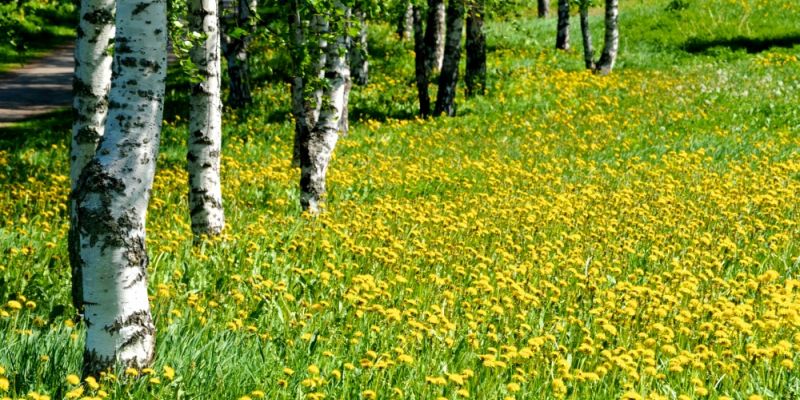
[
  {"x": 750, "y": 45},
  {"x": 367, "y": 113},
  {"x": 51, "y": 128}
]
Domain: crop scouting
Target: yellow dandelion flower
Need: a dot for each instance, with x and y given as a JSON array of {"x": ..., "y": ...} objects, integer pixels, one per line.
[
  {"x": 92, "y": 383},
  {"x": 75, "y": 393},
  {"x": 73, "y": 379},
  {"x": 169, "y": 373}
]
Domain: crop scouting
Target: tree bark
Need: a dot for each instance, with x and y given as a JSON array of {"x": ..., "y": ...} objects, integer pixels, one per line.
[
  {"x": 448, "y": 79},
  {"x": 359, "y": 61},
  {"x": 91, "y": 83},
  {"x": 205, "y": 124},
  {"x": 475, "y": 75},
  {"x": 420, "y": 68},
  {"x": 405, "y": 20},
  {"x": 609, "y": 55},
  {"x": 235, "y": 50},
  {"x": 305, "y": 108},
  {"x": 350, "y": 54},
  {"x": 316, "y": 151},
  {"x": 588, "y": 50},
  {"x": 297, "y": 50},
  {"x": 562, "y": 33},
  {"x": 434, "y": 35},
  {"x": 113, "y": 192},
  {"x": 543, "y": 8}
]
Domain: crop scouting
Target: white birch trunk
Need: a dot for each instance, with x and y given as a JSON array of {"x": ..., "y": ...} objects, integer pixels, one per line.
[
  {"x": 91, "y": 83},
  {"x": 441, "y": 29},
  {"x": 306, "y": 108},
  {"x": 609, "y": 55},
  {"x": 586, "y": 34},
  {"x": 318, "y": 148},
  {"x": 113, "y": 193},
  {"x": 205, "y": 124},
  {"x": 406, "y": 21}
]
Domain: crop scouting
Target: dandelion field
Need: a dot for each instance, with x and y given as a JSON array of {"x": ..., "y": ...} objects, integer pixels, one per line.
[{"x": 566, "y": 236}]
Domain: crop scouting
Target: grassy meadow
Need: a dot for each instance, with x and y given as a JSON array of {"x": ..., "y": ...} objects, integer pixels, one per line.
[{"x": 635, "y": 236}]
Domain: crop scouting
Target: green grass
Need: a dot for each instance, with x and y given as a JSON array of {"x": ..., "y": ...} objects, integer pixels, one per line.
[{"x": 641, "y": 227}]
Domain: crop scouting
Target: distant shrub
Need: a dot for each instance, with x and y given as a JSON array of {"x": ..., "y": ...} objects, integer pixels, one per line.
[{"x": 677, "y": 5}]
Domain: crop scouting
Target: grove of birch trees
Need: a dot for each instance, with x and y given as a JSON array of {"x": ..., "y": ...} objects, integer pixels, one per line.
[{"x": 119, "y": 102}]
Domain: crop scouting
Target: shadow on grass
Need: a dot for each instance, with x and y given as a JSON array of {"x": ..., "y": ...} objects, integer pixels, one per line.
[
  {"x": 37, "y": 132},
  {"x": 751, "y": 45}
]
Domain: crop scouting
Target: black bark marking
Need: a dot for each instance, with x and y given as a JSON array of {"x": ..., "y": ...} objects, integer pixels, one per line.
[
  {"x": 87, "y": 135},
  {"x": 141, "y": 7},
  {"x": 153, "y": 66},
  {"x": 137, "y": 318},
  {"x": 127, "y": 61},
  {"x": 99, "y": 16}
]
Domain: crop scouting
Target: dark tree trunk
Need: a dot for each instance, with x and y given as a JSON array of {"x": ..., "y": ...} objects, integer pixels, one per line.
[
  {"x": 301, "y": 127},
  {"x": 543, "y": 8},
  {"x": 421, "y": 70},
  {"x": 475, "y": 76},
  {"x": 588, "y": 50},
  {"x": 562, "y": 34},
  {"x": 236, "y": 13},
  {"x": 448, "y": 79},
  {"x": 609, "y": 55},
  {"x": 433, "y": 35}
]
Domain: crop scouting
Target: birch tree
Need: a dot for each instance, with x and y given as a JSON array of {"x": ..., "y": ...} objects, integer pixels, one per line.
[
  {"x": 435, "y": 35},
  {"x": 562, "y": 26},
  {"x": 307, "y": 49},
  {"x": 316, "y": 150},
  {"x": 611, "y": 44},
  {"x": 405, "y": 19},
  {"x": 113, "y": 192},
  {"x": 475, "y": 74},
  {"x": 350, "y": 50},
  {"x": 205, "y": 123},
  {"x": 359, "y": 59},
  {"x": 448, "y": 79},
  {"x": 91, "y": 83},
  {"x": 586, "y": 34}
]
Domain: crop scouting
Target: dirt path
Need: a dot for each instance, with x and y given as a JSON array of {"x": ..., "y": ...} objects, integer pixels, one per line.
[{"x": 39, "y": 87}]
